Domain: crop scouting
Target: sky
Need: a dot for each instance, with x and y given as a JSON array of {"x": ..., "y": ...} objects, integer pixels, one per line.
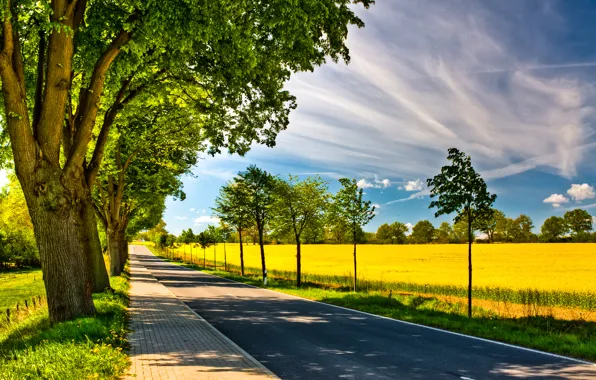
[{"x": 511, "y": 83}]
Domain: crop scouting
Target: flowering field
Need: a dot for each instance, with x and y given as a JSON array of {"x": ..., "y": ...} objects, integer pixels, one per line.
[{"x": 559, "y": 267}]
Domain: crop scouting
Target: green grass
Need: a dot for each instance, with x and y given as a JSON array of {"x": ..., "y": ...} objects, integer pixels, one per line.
[
  {"x": 85, "y": 348},
  {"x": 572, "y": 338},
  {"x": 18, "y": 286}
]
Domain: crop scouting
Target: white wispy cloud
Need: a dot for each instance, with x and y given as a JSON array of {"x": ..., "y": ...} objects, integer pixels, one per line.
[
  {"x": 579, "y": 192},
  {"x": 443, "y": 75},
  {"x": 556, "y": 200},
  {"x": 181, "y": 217},
  {"x": 410, "y": 226},
  {"x": 193, "y": 209}
]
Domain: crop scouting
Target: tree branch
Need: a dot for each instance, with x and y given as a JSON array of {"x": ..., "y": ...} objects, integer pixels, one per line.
[
  {"x": 90, "y": 103},
  {"x": 40, "y": 81}
]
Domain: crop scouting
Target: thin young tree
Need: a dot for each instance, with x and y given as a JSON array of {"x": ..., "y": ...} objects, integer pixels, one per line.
[
  {"x": 231, "y": 206},
  {"x": 353, "y": 212},
  {"x": 260, "y": 188},
  {"x": 461, "y": 190},
  {"x": 298, "y": 205}
]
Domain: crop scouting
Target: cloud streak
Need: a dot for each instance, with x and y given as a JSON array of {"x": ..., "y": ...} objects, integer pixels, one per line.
[{"x": 443, "y": 75}]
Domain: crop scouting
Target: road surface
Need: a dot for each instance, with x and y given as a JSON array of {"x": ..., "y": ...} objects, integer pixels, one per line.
[{"x": 300, "y": 339}]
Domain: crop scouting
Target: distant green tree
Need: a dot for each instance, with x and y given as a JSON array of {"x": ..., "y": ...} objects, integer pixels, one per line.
[
  {"x": 553, "y": 229},
  {"x": 580, "y": 223},
  {"x": 232, "y": 207},
  {"x": 394, "y": 233},
  {"x": 461, "y": 190},
  {"x": 423, "y": 232},
  {"x": 490, "y": 223},
  {"x": 353, "y": 212},
  {"x": 260, "y": 190},
  {"x": 525, "y": 225},
  {"x": 384, "y": 233},
  {"x": 298, "y": 204},
  {"x": 225, "y": 231},
  {"x": 459, "y": 232},
  {"x": 443, "y": 233}
]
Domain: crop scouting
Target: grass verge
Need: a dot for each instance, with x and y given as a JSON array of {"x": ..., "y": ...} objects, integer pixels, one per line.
[
  {"x": 576, "y": 338},
  {"x": 84, "y": 348}
]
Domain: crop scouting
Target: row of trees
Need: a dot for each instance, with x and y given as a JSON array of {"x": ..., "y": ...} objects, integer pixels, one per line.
[
  {"x": 575, "y": 225},
  {"x": 106, "y": 102},
  {"x": 291, "y": 208}
]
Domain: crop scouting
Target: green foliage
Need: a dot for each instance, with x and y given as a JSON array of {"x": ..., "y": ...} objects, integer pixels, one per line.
[
  {"x": 460, "y": 190},
  {"x": 259, "y": 188},
  {"x": 298, "y": 205},
  {"x": 423, "y": 232},
  {"x": 17, "y": 240},
  {"x": 204, "y": 240},
  {"x": 231, "y": 206},
  {"x": 443, "y": 233},
  {"x": 187, "y": 237},
  {"x": 394, "y": 233},
  {"x": 579, "y": 222},
  {"x": 554, "y": 228},
  {"x": 349, "y": 209}
]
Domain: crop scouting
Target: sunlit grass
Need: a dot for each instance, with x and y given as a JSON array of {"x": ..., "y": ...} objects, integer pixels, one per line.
[{"x": 84, "y": 348}]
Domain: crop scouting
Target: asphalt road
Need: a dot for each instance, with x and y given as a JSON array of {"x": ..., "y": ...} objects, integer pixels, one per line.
[{"x": 300, "y": 339}]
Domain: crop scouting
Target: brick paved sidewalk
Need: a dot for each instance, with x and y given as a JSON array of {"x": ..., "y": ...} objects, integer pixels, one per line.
[{"x": 170, "y": 341}]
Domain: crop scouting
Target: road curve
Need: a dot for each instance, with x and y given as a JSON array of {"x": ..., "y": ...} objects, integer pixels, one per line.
[{"x": 301, "y": 339}]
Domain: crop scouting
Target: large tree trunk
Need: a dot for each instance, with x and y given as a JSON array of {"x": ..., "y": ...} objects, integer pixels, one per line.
[
  {"x": 98, "y": 265},
  {"x": 57, "y": 209},
  {"x": 241, "y": 252},
  {"x": 114, "y": 249}
]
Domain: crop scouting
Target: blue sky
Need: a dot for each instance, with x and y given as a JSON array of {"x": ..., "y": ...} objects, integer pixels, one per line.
[{"x": 512, "y": 83}]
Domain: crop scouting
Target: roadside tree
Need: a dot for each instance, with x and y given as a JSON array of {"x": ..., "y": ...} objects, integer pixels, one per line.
[
  {"x": 353, "y": 212},
  {"x": 462, "y": 191},
  {"x": 297, "y": 206}
]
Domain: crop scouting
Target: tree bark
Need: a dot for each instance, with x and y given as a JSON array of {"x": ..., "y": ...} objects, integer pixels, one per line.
[
  {"x": 114, "y": 250},
  {"x": 100, "y": 273},
  {"x": 469, "y": 267},
  {"x": 57, "y": 215},
  {"x": 241, "y": 252}
]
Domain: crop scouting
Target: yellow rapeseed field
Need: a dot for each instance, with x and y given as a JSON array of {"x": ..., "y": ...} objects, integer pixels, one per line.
[{"x": 562, "y": 267}]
